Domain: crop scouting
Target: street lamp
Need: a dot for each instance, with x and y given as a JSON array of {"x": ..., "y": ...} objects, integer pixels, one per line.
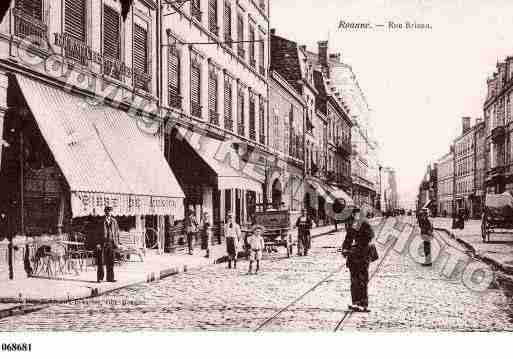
[{"x": 379, "y": 197}]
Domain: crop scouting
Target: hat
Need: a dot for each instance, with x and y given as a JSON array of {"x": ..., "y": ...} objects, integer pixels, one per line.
[
  {"x": 107, "y": 209},
  {"x": 257, "y": 226}
]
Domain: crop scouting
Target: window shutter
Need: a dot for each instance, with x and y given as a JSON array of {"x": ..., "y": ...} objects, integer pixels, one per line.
[
  {"x": 252, "y": 130},
  {"x": 140, "y": 56},
  {"x": 212, "y": 96},
  {"x": 240, "y": 35},
  {"x": 240, "y": 111},
  {"x": 195, "y": 89},
  {"x": 252, "y": 60},
  {"x": 33, "y": 8},
  {"x": 262, "y": 121},
  {"x": 173, "y": 78},
  {"x": 111, "y": 42},
  {"x": 228, "y": 109},
  {"x": 262, "y": 56},
  {"x": 196, "y": 9},
  {"x": 212, "y": 16},
  {"x": 227, "y": 23},
  {"x": 75, "y": 19}
]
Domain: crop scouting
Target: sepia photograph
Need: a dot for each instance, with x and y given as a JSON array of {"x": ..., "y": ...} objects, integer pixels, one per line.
[{"x": 176, "y": 167}]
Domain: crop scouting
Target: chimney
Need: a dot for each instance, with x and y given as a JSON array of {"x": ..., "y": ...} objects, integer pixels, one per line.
[
  {"x": 323, "y": 56},
  {"x": 466, "y": 124}
]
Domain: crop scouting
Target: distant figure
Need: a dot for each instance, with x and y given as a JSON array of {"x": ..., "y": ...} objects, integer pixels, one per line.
[
  {"x": 304, "y": 224},
  {"x": 357, "y": 251},
  {"x": 233, "y": 235},
  {"x": 206, "y": 234},
  {"x": 191, "y": 229},
  {"x": 106, "y": 248},
  {"x": 426, "y": 232},
  {"x": 256, "y": 248}
]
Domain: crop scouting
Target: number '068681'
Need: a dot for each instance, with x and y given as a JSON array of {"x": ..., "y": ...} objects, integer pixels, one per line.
[{"x": 16, "y": 347}]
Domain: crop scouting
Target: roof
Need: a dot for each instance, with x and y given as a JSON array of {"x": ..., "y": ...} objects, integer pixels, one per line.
[
  {"x": 101, "y": 150},
  {"x": 285, "y": 60}
]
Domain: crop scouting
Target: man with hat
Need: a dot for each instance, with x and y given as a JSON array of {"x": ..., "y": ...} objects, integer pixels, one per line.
[
  {"x": 192, "y": 228},
  {"x": 233, "y": 236},
  {"x": 105, "y": 250},
  {"x": 256, "y": 247},
  {"x": 426, "y": 232}
]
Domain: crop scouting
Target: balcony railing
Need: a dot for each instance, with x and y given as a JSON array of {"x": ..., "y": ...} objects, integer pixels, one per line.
[
  {"x": 196, "y": 12},
  {"x": 112, "y": 67},
  {"x": 142, "y": 81},
  {"x": 228, "y": 124},
  {"x": 196, "y": 109},
  {"x": 29, "y": 28},
  {"x": 213, "y": 117},
  {"x": 498, "y": 133}
]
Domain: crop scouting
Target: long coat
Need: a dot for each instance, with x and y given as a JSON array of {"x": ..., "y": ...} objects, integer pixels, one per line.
[
  {"x": 110, "y": 234},
  {"x": 357, "y": 244}
]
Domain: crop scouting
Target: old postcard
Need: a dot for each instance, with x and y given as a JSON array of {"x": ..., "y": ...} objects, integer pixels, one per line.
[{"x": 177, "y": 166}]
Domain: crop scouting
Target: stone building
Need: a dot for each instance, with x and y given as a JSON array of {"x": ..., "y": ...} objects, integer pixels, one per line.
[
  {"x": 479, "y": 168},
  {"x": 446, "y": 184},
  {"x": 464, "y": 168}
]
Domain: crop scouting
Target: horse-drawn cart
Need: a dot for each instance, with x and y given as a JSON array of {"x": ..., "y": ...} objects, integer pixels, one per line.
[
  {"x": 278, "y": 225},
  {"x": 497, "y": 216}
]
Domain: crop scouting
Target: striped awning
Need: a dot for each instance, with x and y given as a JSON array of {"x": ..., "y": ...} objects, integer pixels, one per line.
[{"x": 104, "y": 154}]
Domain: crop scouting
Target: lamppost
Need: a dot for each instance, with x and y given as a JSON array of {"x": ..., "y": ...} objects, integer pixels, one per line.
[{"x": 379, "y": 197}]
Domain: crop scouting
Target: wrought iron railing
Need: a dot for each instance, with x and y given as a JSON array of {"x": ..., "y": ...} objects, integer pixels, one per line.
[
  {"x": 174, "y": 99},
  {"x": 195, "y": 109},
  {"x": 29, "y": 28},
  {"x": 213, "y": 117}
]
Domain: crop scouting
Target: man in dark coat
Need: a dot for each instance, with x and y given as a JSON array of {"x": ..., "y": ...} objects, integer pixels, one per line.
[
  {"x": 355, "y": 248},
  {"x": 426, "y": 232},
  {"x": 105, "y": 251},
  {"x": 304, "y": 224}
]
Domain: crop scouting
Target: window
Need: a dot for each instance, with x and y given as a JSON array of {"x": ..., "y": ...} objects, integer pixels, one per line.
[
  {"x": 195, "y": 85},
  {"x": 213, "y": 115},
  {"x": 252, "y": 115},
  {"x": 227, "y": 23},
  {"x": 141, "y": 58},
  {"x": 240, "y": 110},
  {"x": 261, "y": 45},
  {"x": 196, "y": 9},
  {"x": 28, "y": 20},
  {"x": 212, "y": 17},
  {"x": 252, "y": 60},
  {"x": 240, "y": 36},
  {"x": 75, "y": 28},
  {"x": 228, "y": 108},
  {"x": 261, "y": 119},
  {"x": 111, "y": 42},
  {"x": 173, "y": 77}
]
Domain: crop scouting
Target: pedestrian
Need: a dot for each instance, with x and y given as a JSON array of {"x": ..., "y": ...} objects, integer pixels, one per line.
[
  {"x": 304, "y": 225},
  {"x": 233, "y": 236},
  {"x": 256, "y": 247},
  {"x": 426, "y": 232},
  {"x": 191, "y": 229},
  {"x": 206, "y": 234},
  {"x": 106, "y": 249},
  {"x": 356, "y": 248}
]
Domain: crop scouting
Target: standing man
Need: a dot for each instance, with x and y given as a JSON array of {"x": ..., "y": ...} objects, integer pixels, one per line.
[
  {"x": 233, "y": 236},
  {"x": 206, "y": 234},
  {"x": 108, "y": 244},
  {"x": 426, "y": 232},
  {"x": 304, "y": 224},
  {"x": 191, "y": 229}
]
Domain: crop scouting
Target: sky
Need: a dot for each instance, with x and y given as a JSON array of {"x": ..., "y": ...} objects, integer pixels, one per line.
[{"x": 418, "y": 83}]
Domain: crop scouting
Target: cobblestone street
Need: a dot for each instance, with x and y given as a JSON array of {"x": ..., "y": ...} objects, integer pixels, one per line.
[{"x": 403, "y": 296}]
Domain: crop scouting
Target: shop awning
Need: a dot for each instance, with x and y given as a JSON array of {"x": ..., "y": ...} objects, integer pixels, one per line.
[
  {"x": 341, "y": 196},
  {"x": 232, "y": 172},
  {"x": 105, "y": 157},
  {"x": 331, "y": 194}
]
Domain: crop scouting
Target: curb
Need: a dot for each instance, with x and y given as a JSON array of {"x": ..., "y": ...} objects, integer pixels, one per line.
[{"x": 496, "y": 265}]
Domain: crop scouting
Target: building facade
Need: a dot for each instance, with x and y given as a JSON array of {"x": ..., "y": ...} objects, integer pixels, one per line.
[
  {"x": 479, "y": 168},
  {"x": 215, "y": 94},
  {"x": 80, "y": 90},
  {"x": 446, "y": 184},
  {"x": 390, "y": 195},
  {"x": 428, "y": 190},
  {"x": 464, "y": 168}
]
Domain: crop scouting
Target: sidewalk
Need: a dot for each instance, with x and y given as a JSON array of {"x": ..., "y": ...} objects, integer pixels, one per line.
[
  {"x": 498, "y": 252},
  {"x": 155, "y": 267}
]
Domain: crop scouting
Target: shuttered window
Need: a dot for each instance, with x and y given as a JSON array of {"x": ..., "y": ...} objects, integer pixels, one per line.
[
  {"x": 212, "y": 17},
  {"x": 240, "y": 111},
  {"x": 196, "y": 9},
  {"x": 252, "y": 119},
  {"x": 195, "y": 88},
  {"x": 252, "y": 60},
  {"x": 173, "y": 78},
  {"x": 141, "y": 58},
  {"x": 75, "y": 28},
  {"x": 28, "y": 20},
  {"x": 228, "y": 108},
  {"x": 213, "y": 115},
  {"x": 227, "y": 19},
  {"x": 262, "y": 55},
  {"x": 261, "y": 120},
  {"x": 111, "y": 42},
  {"x": 240, "y": 35}
]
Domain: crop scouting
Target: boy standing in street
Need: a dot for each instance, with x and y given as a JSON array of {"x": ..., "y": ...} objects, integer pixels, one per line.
[
  {"x": 256, "y": 248},
  {"x": 426, "y": 232}
]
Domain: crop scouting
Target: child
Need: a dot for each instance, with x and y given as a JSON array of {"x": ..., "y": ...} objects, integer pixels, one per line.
[{"x": 256, "y": 247}]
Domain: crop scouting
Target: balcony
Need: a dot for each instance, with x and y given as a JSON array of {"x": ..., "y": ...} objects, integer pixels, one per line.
[
  {"x": 142, "y": 81},
  {"x": 29, "y": 28},
  {"x": 213, "y": 117},
  {"x": 196, "y": 109},
  {"x": 174, "y": 99},
  {"x": 498, "y": 134},
  {"x": 112, "y": 67}
]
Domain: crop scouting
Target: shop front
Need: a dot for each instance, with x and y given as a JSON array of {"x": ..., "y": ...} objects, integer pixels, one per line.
[
  {"x": 216, "y": 177},
  {"x": 69, "y": 158}
]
